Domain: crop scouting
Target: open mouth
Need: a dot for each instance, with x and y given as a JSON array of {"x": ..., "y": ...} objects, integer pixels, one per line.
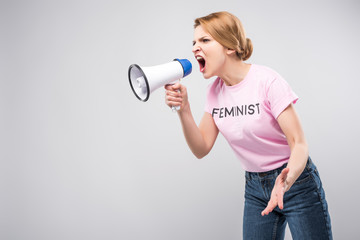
[{"x": 202, "y": 62}]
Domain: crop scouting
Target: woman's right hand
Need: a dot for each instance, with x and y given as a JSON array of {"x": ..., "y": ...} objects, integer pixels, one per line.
[{"x": 176, "y": 95}]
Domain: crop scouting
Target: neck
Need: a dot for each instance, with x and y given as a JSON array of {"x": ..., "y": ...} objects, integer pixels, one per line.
[{"x": 234, "y": 72}]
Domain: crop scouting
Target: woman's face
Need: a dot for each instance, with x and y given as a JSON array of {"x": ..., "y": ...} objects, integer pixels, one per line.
[{"x": 210, "y": 54}]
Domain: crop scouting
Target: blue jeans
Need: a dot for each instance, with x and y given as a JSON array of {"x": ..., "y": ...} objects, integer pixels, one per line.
[{"x": 305, "y": 207}]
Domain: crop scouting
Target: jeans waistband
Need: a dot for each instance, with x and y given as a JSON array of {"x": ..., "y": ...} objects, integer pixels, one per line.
[{"x": 272, "y": 173}]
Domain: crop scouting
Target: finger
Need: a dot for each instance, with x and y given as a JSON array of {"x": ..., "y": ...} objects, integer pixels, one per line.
[
  {"x": 282, "y": 176},
  {"x": 281, "y": 190},
  {"x": 182, "y": 88},
  {"x": 280, "y": 198},
  {"x": 168, "y": 87},
  {"x": 266, "y": 211},
  {"x": 285, "y": 172},
  {"x": 173, "y": 100},
  {"x": 173, "y": 103},
  {"x": 174, "y": 86},
  {"x": 173, "y": 95},
  {"x": 269, "y": 208}
]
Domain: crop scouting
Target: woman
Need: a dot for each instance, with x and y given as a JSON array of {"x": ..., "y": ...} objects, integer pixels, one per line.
[{"x": 252, "y": 106}]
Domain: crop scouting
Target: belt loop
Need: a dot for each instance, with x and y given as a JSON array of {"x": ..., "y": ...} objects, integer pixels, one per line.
[
  {"x": 247, "y": 175},
  {"x": 309, "y": 163}
]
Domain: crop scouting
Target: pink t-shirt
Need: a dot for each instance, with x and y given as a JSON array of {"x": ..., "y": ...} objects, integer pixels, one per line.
[{"x": 246, "y": 116}]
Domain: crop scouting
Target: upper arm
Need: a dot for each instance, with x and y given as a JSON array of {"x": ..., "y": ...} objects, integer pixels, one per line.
[
  {"x": 209, "y": 130},
  {"x": 290, "y": 124}
]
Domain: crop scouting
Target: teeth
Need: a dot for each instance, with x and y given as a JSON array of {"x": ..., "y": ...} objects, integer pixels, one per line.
[{"x": 199, "y": 58}]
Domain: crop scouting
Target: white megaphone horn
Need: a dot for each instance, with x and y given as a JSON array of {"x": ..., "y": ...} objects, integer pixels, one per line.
[{"x": 144, "y": 80}]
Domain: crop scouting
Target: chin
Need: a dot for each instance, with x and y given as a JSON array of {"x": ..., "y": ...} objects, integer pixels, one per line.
[{"x": 207, "y": 76}]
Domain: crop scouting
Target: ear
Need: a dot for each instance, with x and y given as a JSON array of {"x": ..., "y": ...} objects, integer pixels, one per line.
[{"x": 230, "y": 51}]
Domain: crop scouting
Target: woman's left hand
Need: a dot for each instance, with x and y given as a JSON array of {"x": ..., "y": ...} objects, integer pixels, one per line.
[{"x": 277, "y": 194}]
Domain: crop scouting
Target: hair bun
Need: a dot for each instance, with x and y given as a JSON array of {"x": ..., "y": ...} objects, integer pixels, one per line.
[{"x": 247, "y": 50}]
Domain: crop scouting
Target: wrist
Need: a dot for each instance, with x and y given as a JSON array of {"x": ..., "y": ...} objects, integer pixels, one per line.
[{"x": 184, "y": 108}]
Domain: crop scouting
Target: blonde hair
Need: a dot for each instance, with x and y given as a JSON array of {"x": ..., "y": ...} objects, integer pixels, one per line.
[{"x": 227, "y": 29}]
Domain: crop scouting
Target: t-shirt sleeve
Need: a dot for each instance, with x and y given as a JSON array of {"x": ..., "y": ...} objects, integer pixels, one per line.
[
  {"x": 280, "y": 96},
  {"x": 211, "y": 93},
  {"x": 207, "y": 107}
]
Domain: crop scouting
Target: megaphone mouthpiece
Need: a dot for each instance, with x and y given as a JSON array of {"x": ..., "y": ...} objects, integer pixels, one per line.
[{"x": 186, "y": 65}]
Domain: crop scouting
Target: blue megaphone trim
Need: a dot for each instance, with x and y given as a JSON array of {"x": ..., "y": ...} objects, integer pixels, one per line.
[{"x": 186, "y": 65}]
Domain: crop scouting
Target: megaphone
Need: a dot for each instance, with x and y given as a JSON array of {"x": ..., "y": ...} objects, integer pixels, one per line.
[{"x": 144, "y": 80}]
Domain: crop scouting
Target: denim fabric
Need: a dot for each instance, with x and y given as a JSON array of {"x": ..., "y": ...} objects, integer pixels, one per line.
[{"x": 305, "y": 207}]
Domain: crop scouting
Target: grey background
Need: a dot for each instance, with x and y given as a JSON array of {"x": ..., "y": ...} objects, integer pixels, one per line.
[{"x": 82, "y": 158}]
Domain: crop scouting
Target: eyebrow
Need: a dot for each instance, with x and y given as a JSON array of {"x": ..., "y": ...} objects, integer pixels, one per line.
[{"x": 200, "y": 39}]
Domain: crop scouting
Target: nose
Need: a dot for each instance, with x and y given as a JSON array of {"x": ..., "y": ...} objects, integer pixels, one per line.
[{"x": 195, "y": 48}]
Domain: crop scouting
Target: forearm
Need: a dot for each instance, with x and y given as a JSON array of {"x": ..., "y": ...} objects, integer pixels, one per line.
[
  {"x": 297, "y": 162},
  {"x": 192, "y": 133}
]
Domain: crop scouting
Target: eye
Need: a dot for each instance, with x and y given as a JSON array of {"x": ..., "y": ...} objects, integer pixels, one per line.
[{"x": 206, "y": 40}]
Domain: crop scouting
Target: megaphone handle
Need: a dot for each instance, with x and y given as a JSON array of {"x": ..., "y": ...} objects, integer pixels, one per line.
[{"x": 177, "y": 108}]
